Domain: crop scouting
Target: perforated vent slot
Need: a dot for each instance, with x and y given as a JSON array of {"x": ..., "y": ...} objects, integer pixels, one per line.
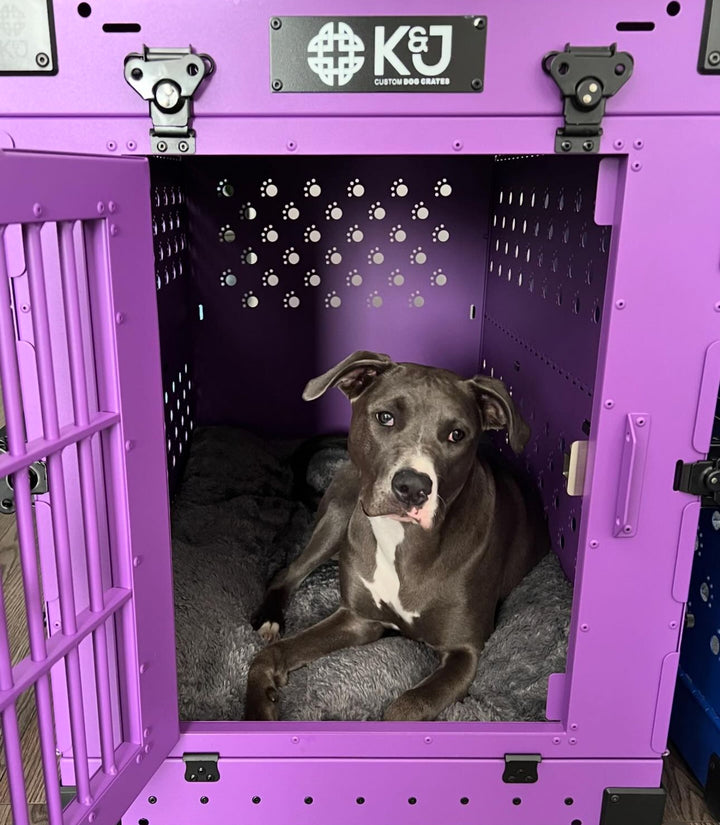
[{"x": 547, "y": 268}]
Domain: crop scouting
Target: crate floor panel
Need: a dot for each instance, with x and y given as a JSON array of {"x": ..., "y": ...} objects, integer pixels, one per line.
[{"x": 236, "y": 520}]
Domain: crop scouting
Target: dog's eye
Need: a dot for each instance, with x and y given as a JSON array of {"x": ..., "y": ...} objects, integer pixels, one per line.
[
  {"x": 456, "y": 435},
  {"x": 385, "y": 418}
]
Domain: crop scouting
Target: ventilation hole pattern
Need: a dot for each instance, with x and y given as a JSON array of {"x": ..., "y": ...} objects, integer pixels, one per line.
[
  {"x": 393, "y": 233},
  {"x": 179, "y": 416},
  {"x": 169, "y": 227},
  {"x": 543, "y": 315}
]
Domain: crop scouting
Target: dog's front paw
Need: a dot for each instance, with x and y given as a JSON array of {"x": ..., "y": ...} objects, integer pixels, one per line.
[
  {"x": 263, "y": 690},
  {"x": 408, "y": 708},
  {"x": 268, "y": 619}
]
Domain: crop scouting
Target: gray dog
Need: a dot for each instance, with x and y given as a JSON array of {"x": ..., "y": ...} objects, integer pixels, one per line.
[{"x": 431, "y": 528}]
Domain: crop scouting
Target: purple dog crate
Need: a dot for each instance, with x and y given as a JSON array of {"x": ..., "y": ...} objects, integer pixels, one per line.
[{"x": 498, "y": 189}]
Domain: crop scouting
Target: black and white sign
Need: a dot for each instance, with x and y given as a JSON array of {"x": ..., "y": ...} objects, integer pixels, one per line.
[{"x": 377, "y": 54}]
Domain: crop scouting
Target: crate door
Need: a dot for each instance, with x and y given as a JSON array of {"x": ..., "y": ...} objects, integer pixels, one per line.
[{"x": 80, "y": 369}]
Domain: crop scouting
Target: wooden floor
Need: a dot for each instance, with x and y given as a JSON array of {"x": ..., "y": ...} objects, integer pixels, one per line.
[{"x": 685, "y": 804}]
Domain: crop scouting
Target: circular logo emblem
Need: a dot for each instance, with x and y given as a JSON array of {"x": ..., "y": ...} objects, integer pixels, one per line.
[{"x": 333, "y": 54}]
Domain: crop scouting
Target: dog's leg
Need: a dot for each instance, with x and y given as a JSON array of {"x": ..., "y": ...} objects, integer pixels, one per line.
[
  {"x": 270, "y": 668},
  {"x": 446, "y": 685},
  {"x": 324, "y": 543}
]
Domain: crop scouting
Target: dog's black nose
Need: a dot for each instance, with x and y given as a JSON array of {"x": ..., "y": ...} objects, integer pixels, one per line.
[{"x": 411, "y": 488}]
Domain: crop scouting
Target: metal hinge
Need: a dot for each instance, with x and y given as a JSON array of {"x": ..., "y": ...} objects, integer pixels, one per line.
[
  {"x": 201, "y": 767},
  {"x": 521, "y": 767},
  {"x": 700, "y": 478},
  {"x": 709, "y": 59},
  {"x": 169, "y": 78},
  {"x": 38, "y": 480},
  {"x": 587, "y": 76}
]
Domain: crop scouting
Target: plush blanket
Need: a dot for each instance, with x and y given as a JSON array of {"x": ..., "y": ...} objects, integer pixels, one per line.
[{"x": 238, "y": 517}]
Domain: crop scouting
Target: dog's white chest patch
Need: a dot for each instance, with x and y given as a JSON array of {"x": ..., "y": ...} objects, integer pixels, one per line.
[{"x": 385, "y": 584}]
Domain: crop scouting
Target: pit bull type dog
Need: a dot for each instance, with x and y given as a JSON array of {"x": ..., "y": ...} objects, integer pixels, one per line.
[{"x": 431, "y": 529}]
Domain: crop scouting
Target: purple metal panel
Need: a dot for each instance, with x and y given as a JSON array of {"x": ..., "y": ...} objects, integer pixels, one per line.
[
  {"x": 546, "y": 279},
  {"x": 298, "y": 262},
  {"x": 91, "y": 81},
  {"x": 360, "y": 792},
  {"x": 660, "y": 316},
  {"x": 124, "y": 359},
  {"x": 176, "y": 310}
]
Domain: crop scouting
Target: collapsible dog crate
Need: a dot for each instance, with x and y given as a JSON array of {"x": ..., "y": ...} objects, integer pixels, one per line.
[{"x": 450, "y": 190}]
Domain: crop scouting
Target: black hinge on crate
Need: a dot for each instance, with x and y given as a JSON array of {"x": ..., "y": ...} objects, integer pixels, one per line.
[
  {"x": 700, "y": 478},
  {"x": 712, "y": 786},
  {"x": 38, "y": 480},
  {"x": 709, "y": 59},
  {"x": 521, "y": 767},
  {"x": 201, "y": 767},
  {"x": 587, "y": 76},
  {"x": 633, "y": 806},
  {"x": 168, "y": 79}
]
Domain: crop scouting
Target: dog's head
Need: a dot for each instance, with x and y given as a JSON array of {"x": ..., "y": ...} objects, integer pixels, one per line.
[{"x": 415, "y": 430}]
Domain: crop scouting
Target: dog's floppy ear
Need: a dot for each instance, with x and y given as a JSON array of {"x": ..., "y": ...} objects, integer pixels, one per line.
[
  {"x": 353, "y": 375},
  {"x": 498, "y": 410}
]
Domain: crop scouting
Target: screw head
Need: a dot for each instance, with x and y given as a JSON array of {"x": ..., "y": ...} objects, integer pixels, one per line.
[
  {"x": 275, "y": 23},
  {"x": 136, "y": 74},
  {"x": 618, "y": 144},
  {"x": 100, "y": 208},
  {"x": 162, "y": 146},
  {"x": 204, "y": 800},
  {"x": 714, "y": 58},
  {"x": 37, "y": 209},
  {"x": 277, "y": 84},
  {"x": 614, "y": 798},
  {"x": 42, "y": 60},
  {"x": 566, "y": 146},
  {"x": 152, "y": 800},
  {"x": 111, "y": 145},
  {"x": 256, "y": 800},
  {"x": 183, "y": 146},
  {"x": 588, "y": 145},
  {"x": 112, "y": 206},
  {"x": 480, "y": 22},
  {"x": 131, "y": 145},
  {"x": 457, "y": 145},
  {"x": 476, "y": 84},
  {"x": 114, "y": 230}
]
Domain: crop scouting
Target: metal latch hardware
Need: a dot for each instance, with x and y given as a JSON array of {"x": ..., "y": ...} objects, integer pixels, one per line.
[
  {"x": 521, "y": 767},
  {"x": 587, "y": 76},
  {"x": 38, "y": 480},
  {"x": 701, "y": 478},
  {"x": 169, "y": 78},
  {"x": 201, "y": 767}
]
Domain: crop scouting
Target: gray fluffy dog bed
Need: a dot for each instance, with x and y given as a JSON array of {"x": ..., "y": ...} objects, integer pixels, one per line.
[{"x": 235, "y": 522}]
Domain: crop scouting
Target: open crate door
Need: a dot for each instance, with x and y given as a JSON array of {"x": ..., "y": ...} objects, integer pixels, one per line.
[{"x": 80, "y": 368}]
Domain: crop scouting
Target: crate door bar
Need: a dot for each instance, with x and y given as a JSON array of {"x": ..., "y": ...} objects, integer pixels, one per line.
[
  {"x": 97, "y": 262},
  {"x": 10, "y": 377},
  {"x": 69, "y": 270},
  {"x": 10, "y": 729},
  {"x": 58, "y": 502}
]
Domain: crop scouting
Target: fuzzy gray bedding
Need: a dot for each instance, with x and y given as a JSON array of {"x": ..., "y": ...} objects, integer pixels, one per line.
[{"x": 237, "y": 519}]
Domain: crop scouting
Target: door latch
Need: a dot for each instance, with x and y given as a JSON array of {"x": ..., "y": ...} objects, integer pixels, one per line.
[
  {"x": 700, "y": 478},
  {"x": 169, "y": 78},
  {"x": 38, "y": 480},
  {"x": 587, "y": 76}
]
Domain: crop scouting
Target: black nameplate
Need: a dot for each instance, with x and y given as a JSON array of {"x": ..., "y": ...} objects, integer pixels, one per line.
[{"x": 377, "y": 54}]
